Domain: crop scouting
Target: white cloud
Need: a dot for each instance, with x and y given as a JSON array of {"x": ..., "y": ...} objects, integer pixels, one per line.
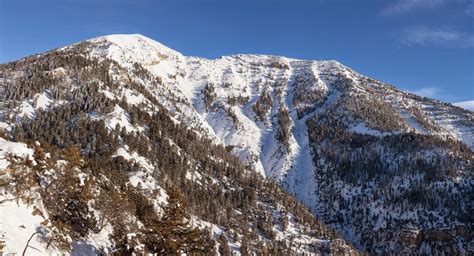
[
  {"x": 429, "y": 92},
  {"x": 470, "y": 9},
  {"x": 469, "y": 105},
  {"x": 436, "y": 36},
  {"x": 437, "y": 93},
  {"x": 404, "y": 6}
]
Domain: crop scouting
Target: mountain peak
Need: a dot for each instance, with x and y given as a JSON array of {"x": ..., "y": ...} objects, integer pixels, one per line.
[
  {"x": 130, "y": 48},
  {"x": 139, "y": 42},
  {"x": 129, "y": 40}
]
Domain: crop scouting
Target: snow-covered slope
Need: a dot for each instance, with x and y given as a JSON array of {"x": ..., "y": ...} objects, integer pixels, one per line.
[
  {"x": 246, "y": 77},
  {"x": 114, "y": 126},
  {"x": 128, "y": 49}
]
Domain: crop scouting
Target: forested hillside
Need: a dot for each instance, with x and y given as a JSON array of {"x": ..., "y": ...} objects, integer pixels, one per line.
[{"x": 116, "y": 176}]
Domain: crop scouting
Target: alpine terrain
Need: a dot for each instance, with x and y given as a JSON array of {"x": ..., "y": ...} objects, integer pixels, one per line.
[{"x": 120, "y": 145}]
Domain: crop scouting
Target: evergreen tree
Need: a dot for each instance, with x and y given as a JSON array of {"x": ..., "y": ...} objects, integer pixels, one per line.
[
  {"x": 174, "y": 234},
  {"x": 245, "y": 246},
  {"x": 224, "y": 249}
]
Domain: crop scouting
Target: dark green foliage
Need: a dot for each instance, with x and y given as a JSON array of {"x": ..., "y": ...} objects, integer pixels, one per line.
[
  {"x": 306, "y": 94},
  {"x": 278, "y": 65},
  {"x": 377, "y": 113},
  {"x": 224, "y": 249},
  {"x": 421, "y": 118},
  {"x": 209, "y": 95},
  {"x": 171, "y": 234},
  {"x": 377, "y": 165},
  {"x": 263, "y": 105},
  {"x": 75, "y": 215},
  {"x": 284, "y": 121},
  {"x": 245, "y": 246},
  {"x": 238, "y": 100}
]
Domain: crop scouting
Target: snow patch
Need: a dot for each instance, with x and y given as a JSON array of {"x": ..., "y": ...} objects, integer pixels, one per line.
[
  {"x": 26, "y": 109},
  {"x": 42, "y": 100},
  {"x": 17, "y": 225},
  {"x": 119, "y": 117},
  {"x": 14, "y": 148}
]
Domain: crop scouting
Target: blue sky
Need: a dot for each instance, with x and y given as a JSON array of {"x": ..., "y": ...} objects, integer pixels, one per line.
[{"x": 424, "y": 46}]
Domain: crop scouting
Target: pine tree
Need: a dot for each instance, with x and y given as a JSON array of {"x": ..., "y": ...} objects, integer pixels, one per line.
[
  {"x": 73, "y": 156},
  {"x": 245, "y": 247},
  {"x": 224, "y": 249},
  {"x": 284, "y": 221},
  {"x": 2, "y": 246},
  {"x": 174, "y": 234}
]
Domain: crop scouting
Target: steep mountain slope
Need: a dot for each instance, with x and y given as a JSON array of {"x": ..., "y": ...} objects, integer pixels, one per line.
[
  {"x": 97, "y": 157},
  {"x": 388, "y": 169}
]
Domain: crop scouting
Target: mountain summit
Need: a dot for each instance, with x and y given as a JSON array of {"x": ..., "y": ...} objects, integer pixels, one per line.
[
  {"x": 128, "y": 49},
  {"x": 388, "y": 170}
]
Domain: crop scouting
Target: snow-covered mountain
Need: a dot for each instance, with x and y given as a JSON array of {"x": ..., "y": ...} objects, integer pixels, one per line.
[
  {"x": 235, "y": 83},
  {"x": 365, "y": 157},
  {"x": 98, "y": 155}
]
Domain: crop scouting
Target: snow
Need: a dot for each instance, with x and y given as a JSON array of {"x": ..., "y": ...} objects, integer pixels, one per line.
[
  {"x": 361, "y": 128},
  {"x": 451, "y": 126},
  {"x": 27, "y": 109},
  {"x": 43, "y": 100},
  {"x": 128, "y": 49},
  {"x": 216, "y": 232},
  {"x": 5, "y": 126},
  {"x": 107, "y": 94},
  {"x": 82, "y": 178},
  {"x": 120, "y": 117},
  {"x": 143, "y": 177},
  {"x": 14, "y": 148},
  {"x": 93, "y": 242},
  {"x": 133, "y": 97},
  {"x": 245, "y": 139},
  {"x": 39, "y": 101},
  {"x": 194, "y": 176},
  {"x": 464, "y": 134},
  {"x": 300, "y": 179},
  {"x": 123, "y": 152},
  {"x": 17, "y": 224},
  {"x": 184, "y": 77},
  {"x": 469, "y": 105}
]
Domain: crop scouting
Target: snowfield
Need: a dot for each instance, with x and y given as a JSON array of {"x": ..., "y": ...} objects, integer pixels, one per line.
[{"x": 17, "y": 226}]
